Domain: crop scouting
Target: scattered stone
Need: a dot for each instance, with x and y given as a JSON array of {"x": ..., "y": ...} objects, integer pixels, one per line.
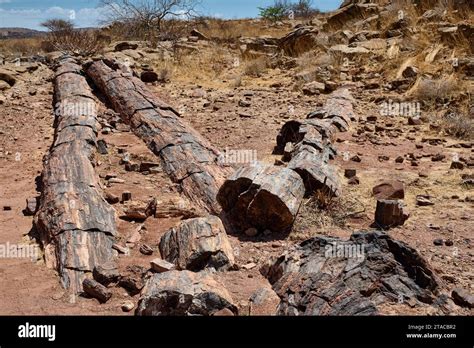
[
  {"x": 399, "y": 159},
  {"x": 122, "y": 46},
  {"x": 423, "y": 174},
  {"x": 197, "y": 244},
  {"x": 423, "y": 201},
  {"x": 457, "y": 165},
  {"x": 160, "y": 266},
  {"x": 146, "y": 250},
  {"x": 106, "y": 273},
  {"x": 244, "y": 103},
  {"x": 121, "y": 249},
  {"x": 7, "y": 208},
  {"x": 133, "y": 279},
  {"x": 116, "y": 181},
  {"x": 106, "y": 130},
  {"x": 438, "y": 242},
  {"x": 147, "y": 166},
  {"x": 149, "y": 76},
  {"x": 96, "y": 290},
  {"x": 126, "y": 196},
  {"x": 390, "y": 213},
  {"x": 249, "y": 266},
  {"x": 264, "y": 301},
  {"x": 350, "y": 173},
  {"x": 393, "y": 189},
  {"x": 31, "y": 206},
  {"x": 111, "y": 198},
  {"x": 383, "y": 158},
  {"x": 356, "y": 159},
  {"x": 251, "y": 232},
  {"x": 183, "y": 293},
  {"x": 449, "y": 243},
  {"x": 438, "y": 157},
  {"x": 139, "y": 210},
  {"x": 463, "y": 298},
  {"x": 414, "y": 121},
  {"x": 128, "y": 306},
  {"x": 102, "y": 147},
  {"x": 313, "y": 88},
  {"x": 354, "y": 181}
]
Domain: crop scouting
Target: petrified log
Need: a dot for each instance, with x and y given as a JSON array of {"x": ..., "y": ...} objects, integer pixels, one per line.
[
  {"x": 179, "y": 293},
  {"x": 189, "y": 159},
  {"x": 264, "y": 197},
  {"x": 390, "y": 213},
  {"x": 75, "y": 223},
  {"x": 329, "y": 276},
  {"x": 311, "y": 143},
  {"x": 96, "y": 290},
  {"x": 197, "y": 244}
]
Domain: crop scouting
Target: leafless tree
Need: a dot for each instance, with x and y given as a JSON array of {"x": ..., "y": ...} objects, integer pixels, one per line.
[
  {"x": 156, "y": 19},
  {"x": 65, "y": 38}
]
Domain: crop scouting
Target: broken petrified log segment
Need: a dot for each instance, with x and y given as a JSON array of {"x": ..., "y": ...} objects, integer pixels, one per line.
[
  {"x": 75, "y": 223},
  {"x": 262, "y": 196},
  {"x": 390, "y": 213},
  {"x": 197, "y": 244},
  {"x": 329, "y": 276},
  {"x": 311, "y": 143},
  {"x": 96, "y": 290},
  {"x": 180, "y": 293},
  {"x": 189, "y": 159}
]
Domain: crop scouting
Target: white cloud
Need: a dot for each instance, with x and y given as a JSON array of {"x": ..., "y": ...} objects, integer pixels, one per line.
[{"x": 32, "y": 18}]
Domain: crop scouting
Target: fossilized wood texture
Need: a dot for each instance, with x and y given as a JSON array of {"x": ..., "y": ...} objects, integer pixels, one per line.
[
  {"x": 188, "y": 158},
  {"x": 181, "y": 293},
  {"x": 197, "y": 244},
  {"x": 75, "y": 223},
  {"x": 311, "y": 143},
  {"x": 262, "y": 196},
  {"x": 328, "y": 276}
]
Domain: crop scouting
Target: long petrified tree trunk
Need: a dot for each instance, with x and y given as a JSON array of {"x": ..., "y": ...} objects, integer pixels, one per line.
[
  {"x": 75, "y": 223},
  {"x": 189, "y": 159}
]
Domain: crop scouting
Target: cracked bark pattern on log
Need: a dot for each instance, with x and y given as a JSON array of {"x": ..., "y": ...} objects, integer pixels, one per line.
[
  {"x": 187, "y": 158},
  {"x": 76, "y": 225}
]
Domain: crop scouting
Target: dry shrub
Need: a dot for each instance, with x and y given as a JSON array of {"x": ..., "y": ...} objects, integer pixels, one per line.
[
  {"x": 459, "y": 125},
  {"x": 28, "y": 46},
  {"x": 429, "y": 90},
  {"x": 65, "y": 38},
  {"x": 257, "y": 67}
]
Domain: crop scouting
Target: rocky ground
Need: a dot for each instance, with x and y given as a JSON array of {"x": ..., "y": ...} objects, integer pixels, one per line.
[{"x": 243, "y": 107}]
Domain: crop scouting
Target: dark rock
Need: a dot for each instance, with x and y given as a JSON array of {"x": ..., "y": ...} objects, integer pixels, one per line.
[
  {"x": 463, "y": 298},
  {"x": 350, "y": 173},
  {"x": 326, "y": 276},
  {"x": 149, "y": 76},
  {"x": 197, "y": 244},
  {"x": 389, "y": 190},
  {"x": 126, "y": 196},
  {"x": 438, "y": 157},
  {"x": 125, "y": 46},
  {"x": 96, "y": 290},
  {"x": 354, "y": 181},
  {"x": 133, "y": 280},
  {"x": 399, "y": 159},
  {"x": 356, "y": 159},
  {"x": 438, "y": 242},
  {"x": 183, "y": 293},
  {"x": 457, "y": 165},
  {"x": 102, "y": 147},
  {"x": 31, "y": 206},
  {"x": 423, "y": 201},
  {"x": 146, "y": 250},
  {"x": 390, "y": 213},
  {"x": 106, "y": 273},
  {"x": 111, "y": 198}
]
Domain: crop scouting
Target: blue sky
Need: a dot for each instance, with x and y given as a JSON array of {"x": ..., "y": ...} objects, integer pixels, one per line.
[{"x": 87, "y": 13}]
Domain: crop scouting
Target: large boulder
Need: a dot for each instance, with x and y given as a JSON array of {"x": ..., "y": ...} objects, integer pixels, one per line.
[
  {"x": 329, "y": 276},
  {"x": 197, "y": 244},
  {"x": 180, "y": 293},
  {"x": 299, "y": 41}
]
